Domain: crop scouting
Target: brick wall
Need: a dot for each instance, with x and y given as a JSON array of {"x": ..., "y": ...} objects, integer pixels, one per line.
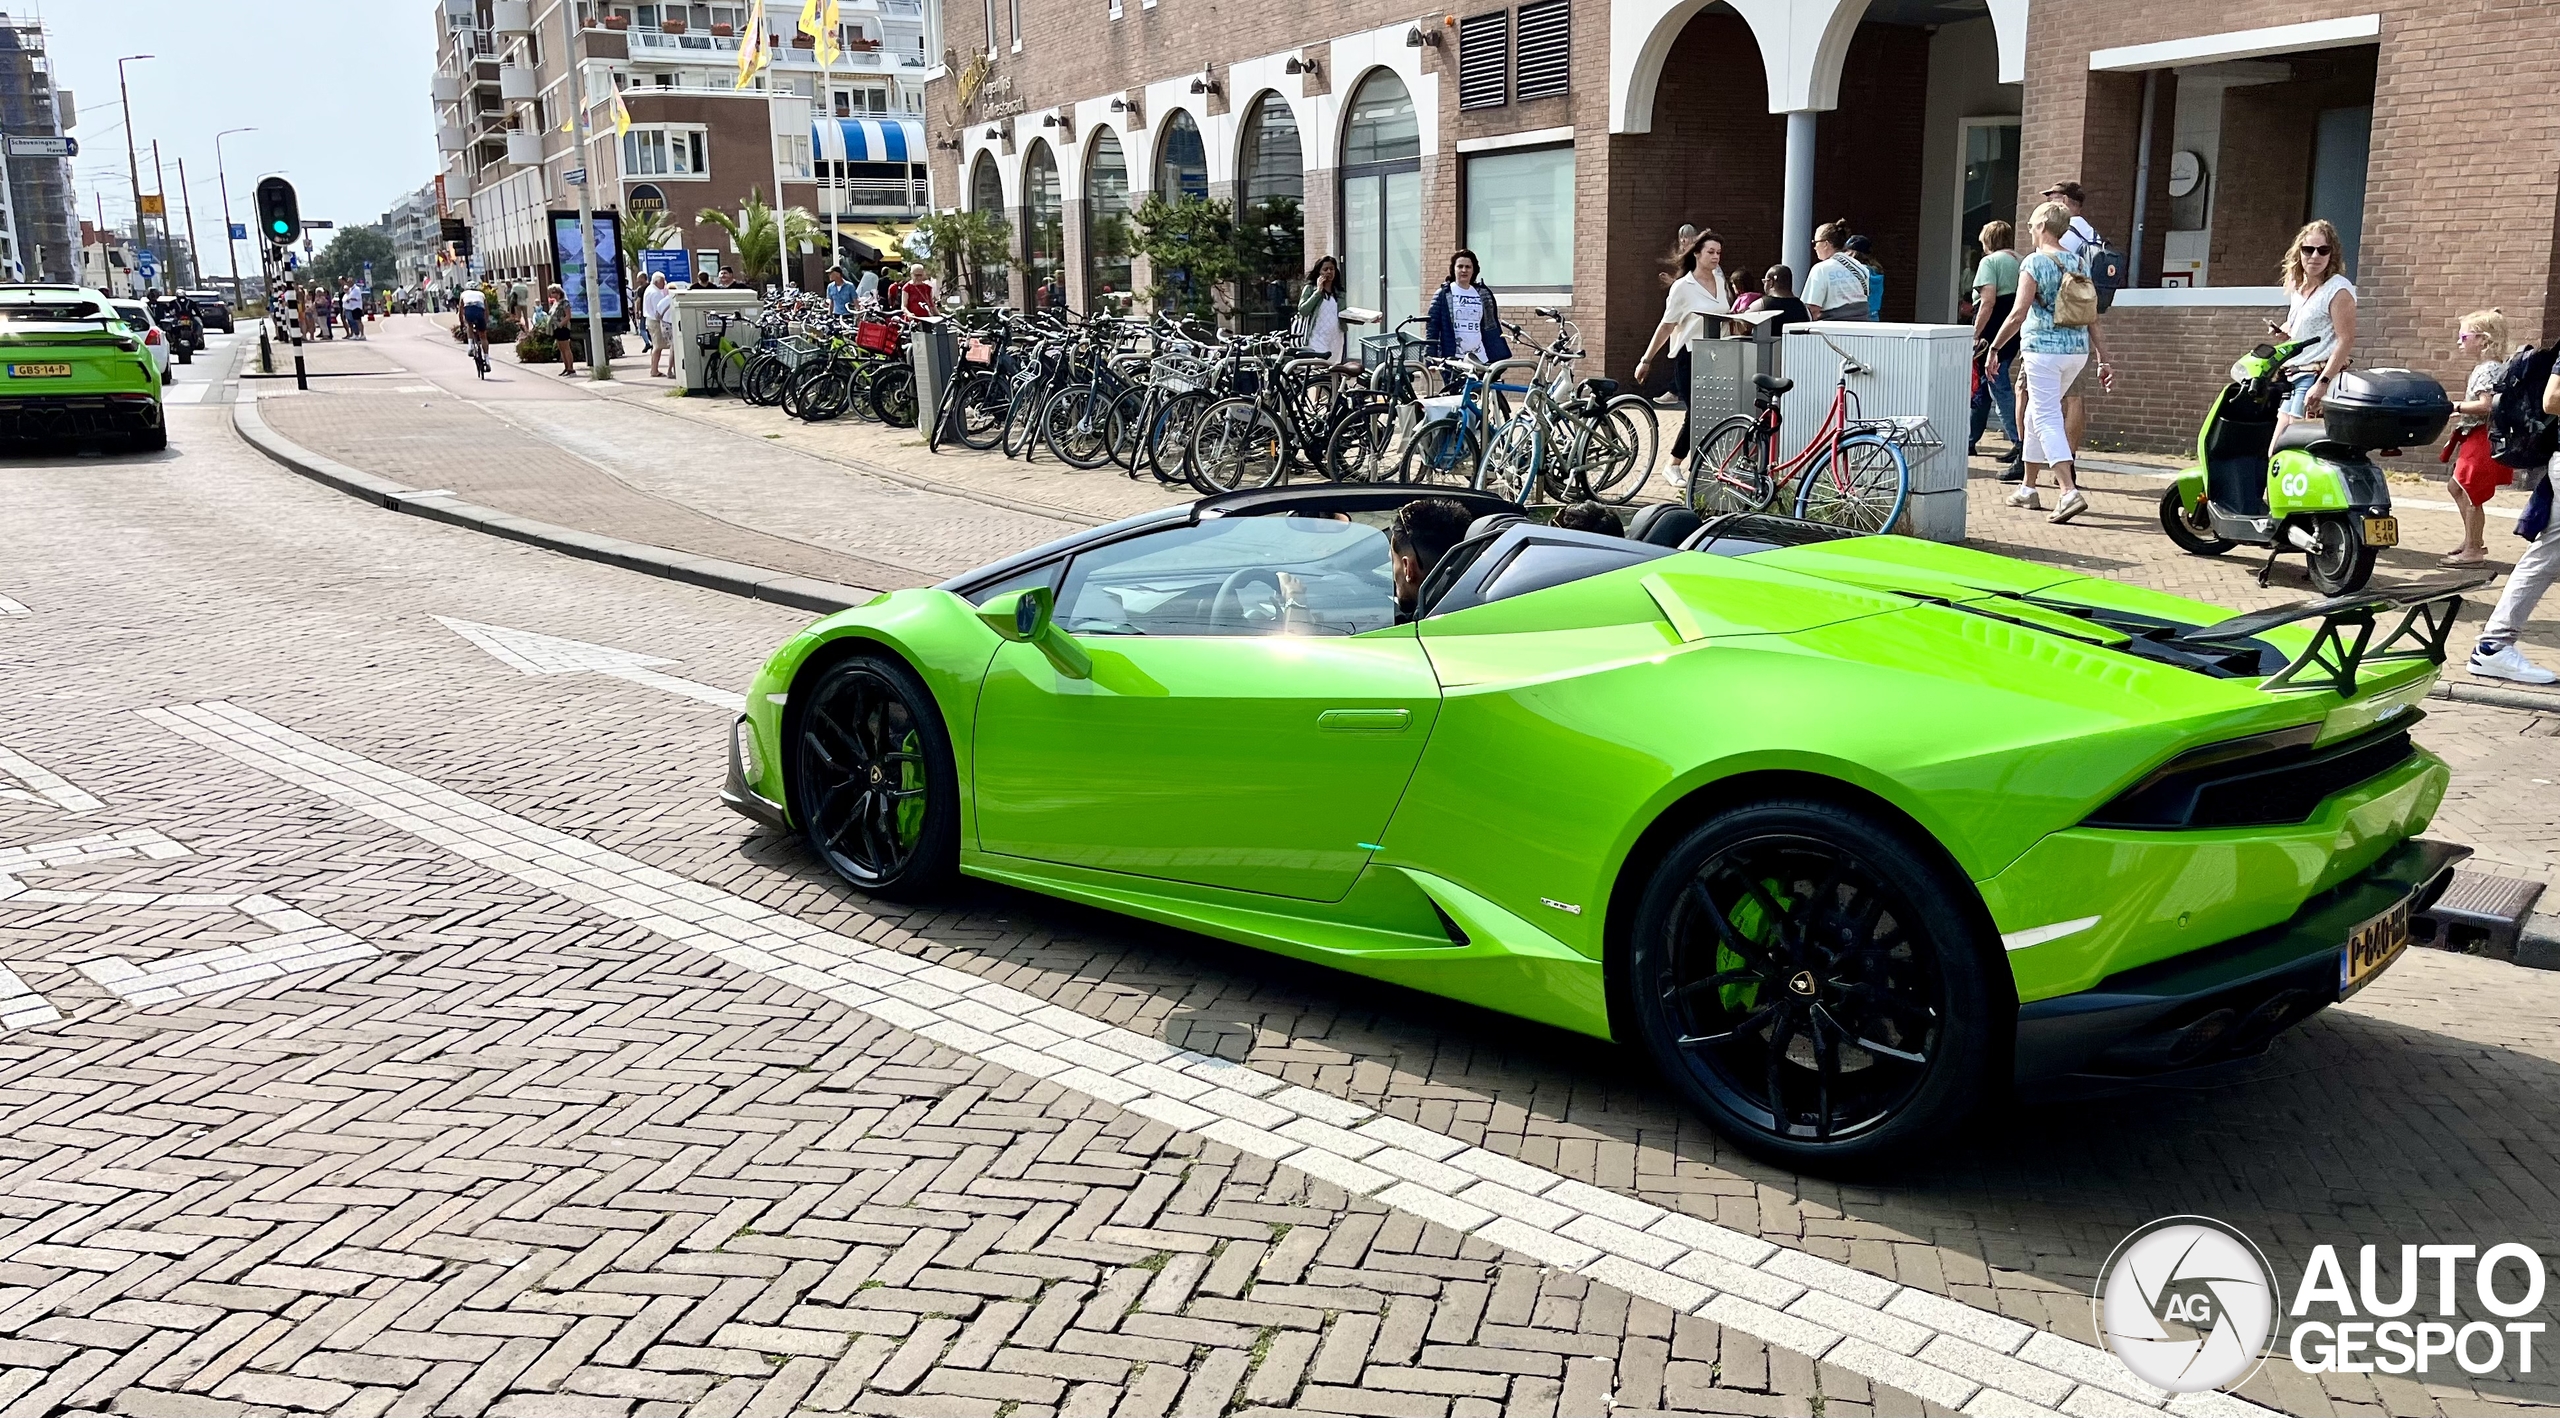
[
  {"x": 2170, "y": 361},
  {"x": 2264, "y": 187},
  {"x": 2463, "y": 137}
]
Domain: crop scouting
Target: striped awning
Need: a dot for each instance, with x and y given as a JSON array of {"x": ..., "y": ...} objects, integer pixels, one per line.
[{"x": 867, "y": 140}]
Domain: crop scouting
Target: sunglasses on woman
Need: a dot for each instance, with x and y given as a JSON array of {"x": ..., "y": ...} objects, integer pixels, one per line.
[{"x": 2315, "y": 251}]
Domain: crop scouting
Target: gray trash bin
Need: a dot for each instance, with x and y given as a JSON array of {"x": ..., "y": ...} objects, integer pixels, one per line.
[{"x": 933, "y": 352}]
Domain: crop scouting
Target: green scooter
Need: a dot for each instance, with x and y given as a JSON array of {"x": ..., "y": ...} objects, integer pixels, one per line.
[{"x": 2317, "y": 492}]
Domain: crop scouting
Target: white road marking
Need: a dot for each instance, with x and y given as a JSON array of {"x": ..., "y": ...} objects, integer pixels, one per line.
[
  {"x": 531, "y": 653},
  {"x": 1795, "y": 1300},
  {"x": 20, "y": 1007},
  {"x": 188, "y": 393},
  {"x": 10, "y": 607},
  {"x": 35, "y": 785}
]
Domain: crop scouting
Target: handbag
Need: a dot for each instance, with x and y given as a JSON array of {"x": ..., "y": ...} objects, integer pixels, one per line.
[{"x": 2075, "y": 305}]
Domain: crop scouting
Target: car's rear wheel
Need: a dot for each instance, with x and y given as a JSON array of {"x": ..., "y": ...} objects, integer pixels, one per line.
[
  {"x": 872, "y": 781},
  {"x": 1800, "y": 974}
]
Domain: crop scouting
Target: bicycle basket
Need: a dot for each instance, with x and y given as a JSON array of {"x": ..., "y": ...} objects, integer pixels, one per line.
[
  {"x": 1393, "y": 347},
  {"x": 877, "y": 336},
  {"x": 707, "y": 341},
  {"x": 794, "y": 351}
]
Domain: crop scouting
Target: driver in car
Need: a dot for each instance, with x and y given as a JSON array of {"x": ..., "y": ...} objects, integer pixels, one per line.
[{"x": 1420, "y": 534}]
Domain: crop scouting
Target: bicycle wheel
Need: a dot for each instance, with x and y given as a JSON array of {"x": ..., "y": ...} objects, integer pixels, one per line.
[
  {"x": 1169, "y": 435},
  {"x": 1729, "y": 470},
  {"x": 1439, "y": 454},
  {"x": 1360, "y": 449},
  {"x": 1614, "y": 452},
  {"x": 1076, "y": 426},
  {"x": 1237, "y": 444},
  {"x": 983, "y": 403},
  {"x": 761, "y": 382},
  {"x": 1127, "y": 427},
  {"x": 893, "y": 395},
  {"x": 729, "y": 370},
  {"x": 1862, "y": 486},
  {"x": 1512, "y": 460},
  {"x": 1022, "y": 420},
  {"x": 796, "y": 390}
]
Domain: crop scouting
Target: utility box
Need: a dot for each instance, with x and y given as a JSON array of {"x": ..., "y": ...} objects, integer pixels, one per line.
[
  {"x": 933, "y": 352},
  {"x": 1917, "y": 375},
  {"x": 696, "y": 328},
  {"x": 1721, "y": 370}
]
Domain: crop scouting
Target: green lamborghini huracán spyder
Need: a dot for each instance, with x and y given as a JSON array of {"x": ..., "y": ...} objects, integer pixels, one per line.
[{"x": 1848, "y": 833}]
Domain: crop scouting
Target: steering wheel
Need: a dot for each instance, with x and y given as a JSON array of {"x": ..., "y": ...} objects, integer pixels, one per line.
[{"x": 1227, "y": 612}]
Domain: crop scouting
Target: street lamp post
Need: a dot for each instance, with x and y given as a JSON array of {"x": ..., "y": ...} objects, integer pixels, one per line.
[
  {"x": 239, "y": 293},
  {"x": 132, "y": 157}
]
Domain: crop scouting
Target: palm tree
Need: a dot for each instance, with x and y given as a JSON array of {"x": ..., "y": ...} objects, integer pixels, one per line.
[
  {"x": 646, "y": 231},
  {"x": 752, "y": 231}
]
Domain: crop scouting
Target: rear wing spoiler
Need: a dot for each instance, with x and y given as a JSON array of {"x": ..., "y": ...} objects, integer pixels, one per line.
[{"x": 2344, "y": 643}]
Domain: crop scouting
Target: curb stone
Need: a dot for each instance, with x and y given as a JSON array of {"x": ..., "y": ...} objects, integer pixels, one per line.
[{"x": 753, "y": 583}]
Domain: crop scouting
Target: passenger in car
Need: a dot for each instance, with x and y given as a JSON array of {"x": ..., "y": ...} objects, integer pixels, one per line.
[
  {"x": 1421, "y": 533},
  {"x": 1589, "y": 516}
]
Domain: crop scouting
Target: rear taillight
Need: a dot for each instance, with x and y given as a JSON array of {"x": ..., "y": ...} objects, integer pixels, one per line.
[{"x": 151, "y": 337}]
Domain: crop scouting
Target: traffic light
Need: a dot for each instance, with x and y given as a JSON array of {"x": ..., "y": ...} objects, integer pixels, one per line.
[{"x": 279, "y": 211}]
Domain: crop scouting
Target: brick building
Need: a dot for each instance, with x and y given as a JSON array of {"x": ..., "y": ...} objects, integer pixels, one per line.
[
  {"x": 2417, "y": 128},
  {"x": 1563, "y": 140},
  {"x": 843, "y": 141}
]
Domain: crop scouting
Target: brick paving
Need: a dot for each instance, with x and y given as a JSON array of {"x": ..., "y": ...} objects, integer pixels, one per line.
[{"x": 507, "y": 1042}]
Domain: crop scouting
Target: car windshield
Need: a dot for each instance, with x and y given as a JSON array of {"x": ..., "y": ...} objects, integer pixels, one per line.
[
  {"x": 133, "y": 315},
  {"x": 54, "y": 309},
  {"x": 1235, "y": 576}
]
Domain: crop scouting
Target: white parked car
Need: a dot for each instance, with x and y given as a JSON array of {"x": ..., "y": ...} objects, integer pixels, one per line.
[{"x": 137, "y": 317}]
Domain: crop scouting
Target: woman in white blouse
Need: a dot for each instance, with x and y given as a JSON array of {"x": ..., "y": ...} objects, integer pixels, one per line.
[{"x": 1702, "y": 291}]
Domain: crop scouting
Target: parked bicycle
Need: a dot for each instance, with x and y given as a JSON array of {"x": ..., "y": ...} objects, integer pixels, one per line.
[{"x": 1851, "y": 473}]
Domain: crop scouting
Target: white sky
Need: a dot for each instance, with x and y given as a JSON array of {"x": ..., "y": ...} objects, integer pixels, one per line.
[{"x": 336, "y": 88}]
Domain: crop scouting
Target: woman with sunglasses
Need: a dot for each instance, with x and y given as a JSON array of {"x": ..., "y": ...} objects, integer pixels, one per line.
[{"x": 2323, "y": 315}]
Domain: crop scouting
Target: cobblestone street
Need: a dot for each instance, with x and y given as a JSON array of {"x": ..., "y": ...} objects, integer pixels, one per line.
[{"x": 396, "y": 1023}]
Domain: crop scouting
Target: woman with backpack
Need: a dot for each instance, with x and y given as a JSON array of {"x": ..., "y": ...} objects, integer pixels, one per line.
[
  {"x": 2323, "y": 315},
  {"x": 2476, "y": 475},
  {"x": 1838, "y": 287},
  {"x": 2057, "y": 311}
]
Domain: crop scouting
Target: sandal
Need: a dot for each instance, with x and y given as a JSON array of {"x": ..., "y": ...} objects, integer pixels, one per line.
[{"x": 2458, "y": 559}]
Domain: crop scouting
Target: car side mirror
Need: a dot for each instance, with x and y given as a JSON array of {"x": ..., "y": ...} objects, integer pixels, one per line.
[{"x": 1024, "y": 617}]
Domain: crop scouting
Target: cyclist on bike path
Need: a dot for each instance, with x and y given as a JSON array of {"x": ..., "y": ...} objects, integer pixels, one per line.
[{"x": 475, "y": 326}]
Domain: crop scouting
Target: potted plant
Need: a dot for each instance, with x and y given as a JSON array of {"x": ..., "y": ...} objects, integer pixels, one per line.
[
  {"x": 803, "y": 41},
  {"x": 617, "y": 22},
  {"x": 670, "y": 25},
  {"x": 723, "y": 28}
]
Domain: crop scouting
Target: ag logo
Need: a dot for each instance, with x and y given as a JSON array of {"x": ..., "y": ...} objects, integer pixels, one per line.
[
  {"x": 2188, "y": 1303},
  {"x": 2295, "y": 484}
]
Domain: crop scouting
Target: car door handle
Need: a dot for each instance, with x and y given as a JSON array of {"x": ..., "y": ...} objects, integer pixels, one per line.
[{"x": 1388, "y": 720}]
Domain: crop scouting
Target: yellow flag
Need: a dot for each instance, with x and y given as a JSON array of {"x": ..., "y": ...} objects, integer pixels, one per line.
[
  {"x": 809, "y": 18},
  {"x": 828, "y": 50},
  {"x": 621, "y": 115},
  {"x": 752, "y": 59}
]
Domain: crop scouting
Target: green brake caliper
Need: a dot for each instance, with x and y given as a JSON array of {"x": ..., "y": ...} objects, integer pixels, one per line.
[{"x": 1752, "y": 924}]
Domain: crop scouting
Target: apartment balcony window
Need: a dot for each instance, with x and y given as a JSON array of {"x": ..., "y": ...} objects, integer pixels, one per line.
[{"x": 664, "y": 152}]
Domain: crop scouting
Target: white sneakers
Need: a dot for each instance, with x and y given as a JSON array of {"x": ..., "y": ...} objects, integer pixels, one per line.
[
  {"x": 2026, "y": 497},
  {"x": 2509, "y": 663},
  {"x": 2071, "y": 505}
]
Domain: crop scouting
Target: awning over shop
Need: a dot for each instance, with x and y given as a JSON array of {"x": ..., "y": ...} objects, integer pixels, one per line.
[
  {"x": 867, "y": 140},
  {"x": 872, "y": 240}
]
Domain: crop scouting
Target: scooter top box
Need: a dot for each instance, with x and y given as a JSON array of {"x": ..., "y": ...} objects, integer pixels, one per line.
[{"x": 2386, "y": 408}]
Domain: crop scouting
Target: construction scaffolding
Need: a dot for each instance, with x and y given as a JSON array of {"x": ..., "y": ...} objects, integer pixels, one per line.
[{"x": 43, "y": 228}]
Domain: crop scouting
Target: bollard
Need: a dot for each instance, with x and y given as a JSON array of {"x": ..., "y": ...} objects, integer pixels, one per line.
[
  {"x": 301, "y": 379},
  {"x": 266, "y": 353}
]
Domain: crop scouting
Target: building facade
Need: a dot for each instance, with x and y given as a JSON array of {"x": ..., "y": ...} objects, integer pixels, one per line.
[
  {"x": 843, "y": 141},
  {"x": 40, "y": 237},
  {"x": 2415, "y": 128},
  {"x": 1564, "y": 141},
  {"x": 413, "y": 229}
]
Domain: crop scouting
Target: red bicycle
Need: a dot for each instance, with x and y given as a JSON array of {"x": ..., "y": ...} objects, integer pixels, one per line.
[{"x": 1864, "y": 479}]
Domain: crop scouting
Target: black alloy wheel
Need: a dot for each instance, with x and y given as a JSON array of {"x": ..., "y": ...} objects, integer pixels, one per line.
[
  {"x": 2192, "y": 531},
  {"x": 1798, "y": 971},
  {"x": 871, "y": 778}
]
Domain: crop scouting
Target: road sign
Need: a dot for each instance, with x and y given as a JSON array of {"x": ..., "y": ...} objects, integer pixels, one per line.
[
  {"x": 323, "y": 226},
  {"x": 154, "y": 205},
  {"x": 575, "y": 177},
  {"x": 44, "y": 147},
  {"x": 239, "y": 231},
  {"x": 150, "y": 266}
]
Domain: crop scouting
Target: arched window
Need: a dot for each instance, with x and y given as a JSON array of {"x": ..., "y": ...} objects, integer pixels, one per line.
[
  {"x": 1106, "y": 220},
  {"x": 1182, "y": 162},
  {"x": 1044, "y": 221},
  {"x": 986, "y": 194},
  {"x": 1382, "y": 199},
  {"x": 1271, "y": 192}
]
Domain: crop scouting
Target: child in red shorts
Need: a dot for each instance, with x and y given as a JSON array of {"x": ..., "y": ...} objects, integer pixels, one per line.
[{"x": 2476, "y": 476}]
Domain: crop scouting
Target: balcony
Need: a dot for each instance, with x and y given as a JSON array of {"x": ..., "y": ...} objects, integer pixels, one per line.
[
  {"x": 449, "y": 138},
  {"x": 524, "y": 149},
  {"x": 511, "y": 16},
  {"x": 869, "y": 196},
  {"x": 657, "y": 44},
  {"x": 516, "y": 83},
  {"x": 445, "y": 88}
]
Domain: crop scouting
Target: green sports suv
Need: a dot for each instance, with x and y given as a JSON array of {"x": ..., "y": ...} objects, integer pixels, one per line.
[
  {"x": 71, "y": 369},
  {"x": 1849, "y": 834}
]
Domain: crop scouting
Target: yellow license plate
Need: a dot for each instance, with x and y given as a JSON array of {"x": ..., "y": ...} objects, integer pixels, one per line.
[
  {"x": 39, "y": 371},
  {"x": 2371, "y": 949},
  {"x": 2382, "y": 531}
]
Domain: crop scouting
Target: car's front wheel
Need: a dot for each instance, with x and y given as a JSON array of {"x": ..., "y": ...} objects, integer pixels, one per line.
[
  {"x": 1800, "y": 974},
  {"x": 872, "y": 780}
]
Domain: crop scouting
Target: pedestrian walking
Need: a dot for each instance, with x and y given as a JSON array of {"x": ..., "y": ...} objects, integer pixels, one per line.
[
  {"x": 563, "y": 330},
  {"x": 353, "y": 303},
  {"x": 1700, "y": 290},
  {"x": 2496, "y": 656},
  {"x": 519, "y": 299},
  {"x": 2078, "y": 240},
  {"x": 1863, "y": 248},
  {"x": 1464, "y": 318},
  {"x": 1836, "y": 288},
  {"x": 1319, "y": 323},
  {"x": 839, "y": 292},
  {"x": 657, "y": 316},
  {"x": 1995, "y": 291},
  {"x": 2056, "y": 311},
  {"x": 2323, "y": 315},
  {"x": 2476, "y": 476},
  {"x": 867, "y": 290}
]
